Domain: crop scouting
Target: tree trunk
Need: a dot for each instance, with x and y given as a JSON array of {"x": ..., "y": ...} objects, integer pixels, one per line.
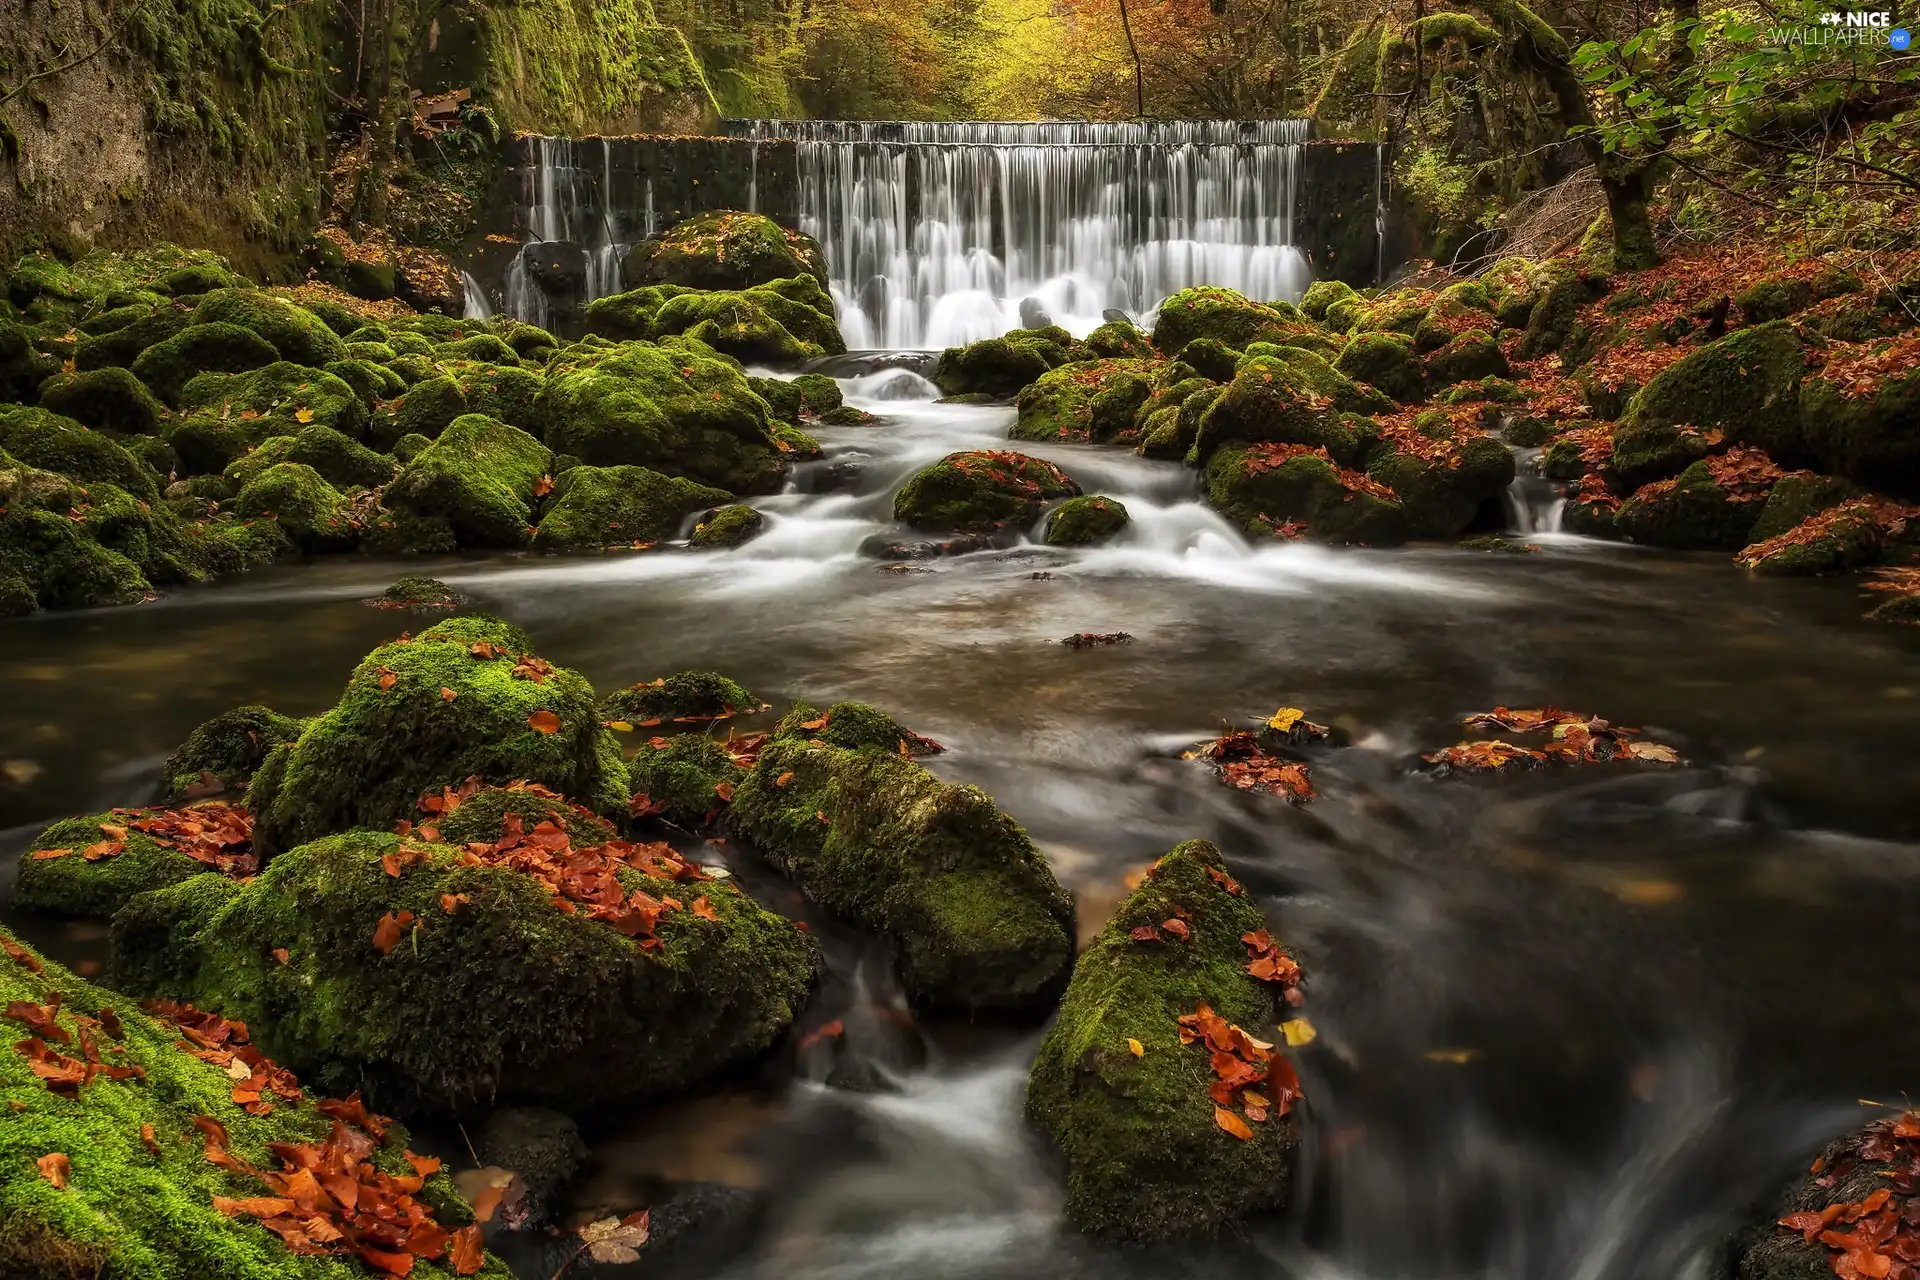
[
  {"x": 1139, "y": 76},
  {"x": 1627, "y": 187}
]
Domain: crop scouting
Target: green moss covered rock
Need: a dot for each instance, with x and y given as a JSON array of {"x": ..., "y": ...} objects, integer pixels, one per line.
[
  {"x": 684, "y": 775},
  {"x": 1085, "y": 520},
  {"x": 224, "y": 753},
  {"x": 1799, "y": 496},
  {"x": 168, "y": 366},
  {"x": 687, "y": 696},
  {"x": 1119, "y": 340},
  {"x": 1443, "y": 493},
  {"x": 106, "y": 399},
  {"x": 134, "y": 1209},
  {"x": 1867, "y": 429},
  {"x": 1385, "y": 361},
  {"x": 366, "y": 761},
  {"x": 1228, "y": 317},
  {"x": 46, "y": 440},
  {"x": 479, "y": 478},
  {"x": 782, "y": 323},
  {"x": 1271, "y": 488},
  {"x": 313, "y": 514},
  {"x": 1694, "y": 512},
  {"x": 1468, "y": 357},
  {"x": 1272, "y": 400},
  {"x": 94, "y": 888},
  {"x": 726, "y": 249},
  {"x": 23, "y": 367},
  {"x": 978, "y": 920},
  {"x": 728, "y": 526},
  {"x": 980, "y": 491},
  {"x": 425, "y": 409},
  {"x": 999, "y": 367},
  {"x": 340, "y": 460},
  {"x": 1146, "y": 1160},
  {"x": 296, "y": 333},
  {"x": 594, "y": 507},
  {"x": 675, "y": 411},
  {"x": 1322, "y": 294},
  {"x": 1746, "y": 384},
  {"x": 1093, "y": 400},
  {"x": 505, "y": 995},
  {"x": 1831, "y": 542},
  {"x": 117, "y": 345}
]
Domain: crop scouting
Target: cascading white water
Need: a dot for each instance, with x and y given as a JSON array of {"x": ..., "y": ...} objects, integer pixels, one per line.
[
  {"x": 571, "y": 249},
  {"x": 935, "y": 234}
]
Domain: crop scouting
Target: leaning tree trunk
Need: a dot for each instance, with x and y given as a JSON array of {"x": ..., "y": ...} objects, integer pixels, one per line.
[{"x": 1628, "y": 186}]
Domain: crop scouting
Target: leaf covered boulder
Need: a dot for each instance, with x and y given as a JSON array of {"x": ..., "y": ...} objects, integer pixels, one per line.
[
  {"x": 979, "y": 921},
  {"x": 124, "y": 1154},
  {"x": 725, "y": 249},
  {"x": 1152, "y": 1082},
  {"x": 519, "y": 964},
  {"x": 466, "y": 697},
  {"x": 981, "y": 491}
]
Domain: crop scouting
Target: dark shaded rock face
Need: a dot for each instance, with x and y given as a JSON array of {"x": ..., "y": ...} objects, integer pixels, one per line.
[
  {"x": 1033, "y": 314},
  {"x": 559, "y": 267}
]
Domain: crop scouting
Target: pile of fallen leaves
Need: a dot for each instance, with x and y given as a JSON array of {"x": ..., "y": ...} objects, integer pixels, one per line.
[
  {"x": 213, "y": 1039},
  {"x": 1746, "y": 474},
  {"x": 218, "y": 835},
  {"x": 328, "y": 1197},
  {"x": 1267, "y": 962},
  {"x": 1884, "y": 1243},
  {"x": 441, "y": 803},
  {"x": 1243, "y": 764},
  {"x": 60, "y": 1072},
  {"x": 1090, "y": 639},
  {"x": 1887, "y": 519},
  {"x": 583, "y": 880},
  {"x": 1248, "y": 1075},
  {"x": 1861, "y": 369},
  {"x": 1573, "y": 738}
]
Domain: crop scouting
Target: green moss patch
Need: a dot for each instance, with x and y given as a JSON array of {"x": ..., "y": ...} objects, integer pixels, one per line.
[{"x": 980, "y": 491}]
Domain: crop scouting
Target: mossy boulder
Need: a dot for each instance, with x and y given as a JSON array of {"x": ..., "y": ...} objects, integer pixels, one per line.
[
  {"x": 1146, "y": 1159},
  {"x": 1386, "y": 362},
  {"x": 1746, "y": 384},
  {"x": 296, "y": 333},
  {"x": 23, "y": 367},
  {"x": 1119, "y": 340},
  {"x": 424, "y": 409},
  {"x": 595, "y": 507},
  {"x": 484, "y": 813},
  {"x": 503, "y": 996},
  {"x": 1799, "y": 496},
  {"x": 685, "y": 696},
  {"x": 313, "y": 514},
  {"x": 1460, "y": 308},
  {"x": 728, "y": 526},
  {"x": 117, "y": 342},
  {"x": 1871, "y": 432},
  {"x": 1270, "y": 400},
  {"x": 684, "y": 775},
  {"x": 674, "y": 411},
  {"x": 1267, "y": 488},
  {"x": 783, "y": 323},
  {"x": 979, "y": 923},
  {"x": 1092, "y": 400},
  {"x": 46, "y": 440},
  {"x": 980, "y": 491},
  {"x": 412, "y": 591},
  {"x": 726, "y": 249},
  {"x": 1170, "y": 422},
  {"x": 1559, "y": 289},
  {"x": 1694, "y": 512},
  {"x": 479, "y": 478},
  {"x": 366, "y": 761},
  {"x": 106, "y": 399},
  {"x": 224, "y": 416},
  {"x": 1322, "y": 294},
  {"x": 1317, "y": 372},
  {"x": 1442, "y": 491},
  {"x": 340, "y": 460},
  {"x": 62, "y": 565},
  {"x": 168, "y": 366},
  {"x": 857, "y": 726},
  {"x": 1082, "y": 521},
  {"x": 999, "y": 367},
  {"x": 1468, "y": 357},
  {"x": 76, "y": 886},
  {"x": 224, "y": 753},
  {"x": 140, "y": 1194},
  {"x": 1230, "y": 318},
  {"x": 1843, "y": 1174},
  {"x": 1831, "y": 542}
]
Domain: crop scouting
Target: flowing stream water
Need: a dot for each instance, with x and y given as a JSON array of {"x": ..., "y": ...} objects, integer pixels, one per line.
[{"x": 1572, "y": 1024}]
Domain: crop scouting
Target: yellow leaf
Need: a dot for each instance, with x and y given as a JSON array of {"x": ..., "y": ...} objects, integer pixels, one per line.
[
  {"x": 1285, "y": 718},
  {"x": 303, "y": 415},
  {"x": 1139, "y": 1050},
  {"x": 619, "y": 726},
  {"x": 1298, "y": 1031},
  {"x": 1458, "y": 1057}
]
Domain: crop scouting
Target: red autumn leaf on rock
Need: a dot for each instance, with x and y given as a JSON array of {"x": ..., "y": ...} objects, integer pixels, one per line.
[
  {"x": 703, "y": 907},
  {"x": 148, "y": 1141},
  {"x": 1178, "y": 928},
  {"x": 543, "y": 486},
  {"x": 783, "y": 779},
  {"x": 387, "y": 678},
  {"x": 465, "y": 1252},
  {"x": 1232, "y": 1123},
  {"x": 42, "y": 1020},
  {"x": 55, "y": 1168},
  {"x": 1144, "y": 933},
  {"x": 544, "y": 722},
  {"x": 724, "y": 790},
  {"x": 446, "y": 694},
  {"x": 21, "y": 956},
  {"x": 387, "y": 934}
]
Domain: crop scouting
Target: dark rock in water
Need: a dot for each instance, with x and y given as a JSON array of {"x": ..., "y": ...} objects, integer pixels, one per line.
[
  {"x": 698, "y": 1225},
  {"x": 969, "y": 397},
  {"x": 882, "y": 547},
  {"x": 1033, "y": 315},
  {"x": 543, "y": 1147},
  {"x": 832, "y": 477},
  {"x": 418, "y": 594},
  {"x": 559, "y": 267},
  {"x": 1114, "y": 315}
]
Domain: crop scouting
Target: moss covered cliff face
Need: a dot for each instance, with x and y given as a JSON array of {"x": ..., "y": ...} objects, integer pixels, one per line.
[{"x": 205, "y": 125}]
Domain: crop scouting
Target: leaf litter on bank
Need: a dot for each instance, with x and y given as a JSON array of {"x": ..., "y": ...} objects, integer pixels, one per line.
[
  {"x": 217, "y": 835},
  {"x": 1884, "y": 1243},
  {"x": 1572, "y": 738}
]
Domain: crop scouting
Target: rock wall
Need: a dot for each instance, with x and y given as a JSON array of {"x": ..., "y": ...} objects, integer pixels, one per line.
[{"x": 202, "y": 122}]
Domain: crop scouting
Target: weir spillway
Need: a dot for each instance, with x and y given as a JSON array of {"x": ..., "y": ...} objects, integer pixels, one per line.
[{"x": 941, "y": 233}]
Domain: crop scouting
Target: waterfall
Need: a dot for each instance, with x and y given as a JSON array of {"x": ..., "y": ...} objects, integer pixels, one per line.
[
  {"x": 572, "y": 245},
  {"x": 937, "y": 234},
  {"x": 1534, "y": 504},
  {"x": 475, "y": 304}
]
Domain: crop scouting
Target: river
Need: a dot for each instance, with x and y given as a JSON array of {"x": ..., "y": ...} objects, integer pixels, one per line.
[{"x": 1570, "y": 1024}]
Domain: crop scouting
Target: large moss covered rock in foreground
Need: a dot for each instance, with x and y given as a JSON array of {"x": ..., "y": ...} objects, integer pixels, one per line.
[
  {"x": 81, "y": 887},
  {"x": 979, "y": 921},
  {"x": 139, "y": 1193},
  {"x": 479, "y": 479},
  {"x": 486, "y": 988},
  {"x": 980, "y": 491},
  {"x": 618, "y": 506},
  {"x": 396, "y": 733},
  {"x": 1147, "y": 1158}
]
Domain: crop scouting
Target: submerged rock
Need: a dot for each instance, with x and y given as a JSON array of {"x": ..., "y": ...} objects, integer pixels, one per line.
[
  {"x": 980, "y": 491},
  {"x": 137, "y": 1197},
  {"x": 1133, "y": 1108},
  {"x": 462, "y": 979},
  {"x": 397, "y": 733},
  {"x": 979, "y": 922},
  {"x": 422, "y": 594}
]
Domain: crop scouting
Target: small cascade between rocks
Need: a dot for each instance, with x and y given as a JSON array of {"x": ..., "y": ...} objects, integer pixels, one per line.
[
  {"x": 578, "y": 223},
  {"x": 938, "y": 234},
  {"x": 1534, "y": 503}
]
